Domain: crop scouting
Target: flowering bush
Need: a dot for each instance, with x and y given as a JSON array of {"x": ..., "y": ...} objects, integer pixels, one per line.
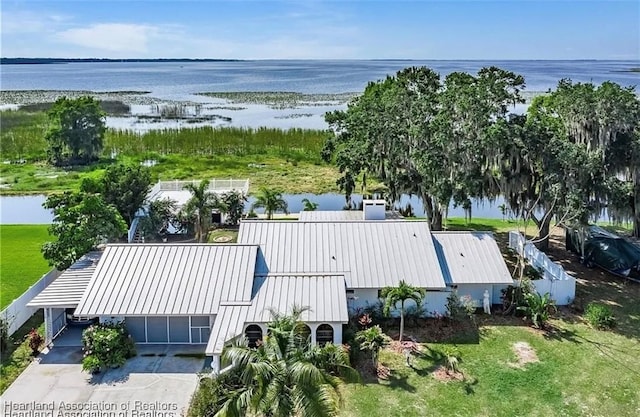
[
  {"x": 106, "y": 345},
  {"x": 35, "y": 341}
]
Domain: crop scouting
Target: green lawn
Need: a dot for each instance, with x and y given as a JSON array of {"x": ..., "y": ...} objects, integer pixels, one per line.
[
  {"x": 21, "y": 262},
  {"x": 223, "y": 235},
  {"x": 581, "y": 371}
]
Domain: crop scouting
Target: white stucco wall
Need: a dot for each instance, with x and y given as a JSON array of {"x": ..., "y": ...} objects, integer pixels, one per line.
[{"x": 435, "y": 301}]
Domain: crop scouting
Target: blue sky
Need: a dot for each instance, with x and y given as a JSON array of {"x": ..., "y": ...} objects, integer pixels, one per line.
[{"x": 513, "y": 29}]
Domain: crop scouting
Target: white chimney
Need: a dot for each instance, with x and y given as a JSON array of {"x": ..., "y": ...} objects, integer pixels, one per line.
[{"x": 374, "y": 209}]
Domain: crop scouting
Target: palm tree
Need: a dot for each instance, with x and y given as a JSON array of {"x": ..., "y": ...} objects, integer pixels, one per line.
[
  {"x": 283, "y": 377},
  {"x": 401, "y": 293},
  {"x": 372, "y": 339},
  {"x": 271, "y": 200},
  {"x": 201, "y": 204},
  {"x": 309, "y": 205}
]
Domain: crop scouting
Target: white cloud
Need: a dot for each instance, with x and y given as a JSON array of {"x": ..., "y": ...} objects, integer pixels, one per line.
[
  {"x": 121, "y": 38},
  {"x": 19, "y": 22}
]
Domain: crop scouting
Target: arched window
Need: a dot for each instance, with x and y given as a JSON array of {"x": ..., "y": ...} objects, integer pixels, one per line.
[
  {"x": 253, "y": 333},
  {"x": 303, "y": 334},
  {"x": 324, "y": 334}
]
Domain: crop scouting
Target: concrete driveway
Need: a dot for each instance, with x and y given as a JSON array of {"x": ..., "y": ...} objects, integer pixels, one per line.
[{"x": 156, "y": 383}]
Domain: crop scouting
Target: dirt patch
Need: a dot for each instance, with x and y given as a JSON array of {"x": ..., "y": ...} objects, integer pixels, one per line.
[
  {"x": 444, "y": 375},
  {"x": 404, "y": 347},
  {"x": 525, "y": 354}
]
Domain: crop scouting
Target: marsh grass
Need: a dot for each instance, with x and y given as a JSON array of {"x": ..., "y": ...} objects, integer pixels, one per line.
[
  {"x": 22, "y": 137},
  {"x": 296, "y": 144},
  {"x": 111, "y": 107}
]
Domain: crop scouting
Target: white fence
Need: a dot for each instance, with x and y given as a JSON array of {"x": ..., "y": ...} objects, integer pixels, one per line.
[
  {"x": 214, "y": 185},
  {"x": 17, "y": 313},
  {"x": 555, "y": 280}
]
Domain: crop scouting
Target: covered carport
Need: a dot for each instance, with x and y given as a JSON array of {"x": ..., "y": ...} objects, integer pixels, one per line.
[{"x": 65, "y": 292}]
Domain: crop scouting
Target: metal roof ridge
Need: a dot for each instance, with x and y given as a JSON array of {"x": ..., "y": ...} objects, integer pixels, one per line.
[
  {"x": 301, "y": 274},
  {"x": 460, "y": 232},
  {"x": 213, "y": 245}
]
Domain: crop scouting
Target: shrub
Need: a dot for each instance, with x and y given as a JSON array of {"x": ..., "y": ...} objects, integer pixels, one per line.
[
  {"x": 599, "y": 316},
  {"x": 452, "y": 359},
  {"x": 375, "y": 312},
  {"x": 106, "y": 345},
  {"x": 514, "y": 296},
  {"x": 372, "y": 340},
  {"x": 538, "y": 308},
  {"x": 4, "y": 335},
  {"x": 35, "y": 341},
  {"x": 213, "y": 392},
  {"x": 459, "y": 308}
]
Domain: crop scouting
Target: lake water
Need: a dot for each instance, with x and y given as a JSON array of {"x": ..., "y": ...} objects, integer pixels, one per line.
[
  {"x": 29, "y": 210},
  {"x": 180, "y": 81}
]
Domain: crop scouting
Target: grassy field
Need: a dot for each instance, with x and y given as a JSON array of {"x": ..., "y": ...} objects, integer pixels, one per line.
[
  {"x": 21, "y": 262},
  {"x": 581, "y": 371},
  {"x": 261, "y": 170},
  {"x": 287, "y": 159}
]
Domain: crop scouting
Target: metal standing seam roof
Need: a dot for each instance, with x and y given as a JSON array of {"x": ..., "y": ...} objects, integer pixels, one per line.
[
  {"x": 471, "y": 258},
  {"x": 370, "y": 254},
  {"x": 165, "y": 279},
  {"x": 66, "y": 290},
  {"x": 341, "y": 216},
  {"x": 324, "y": 295}
]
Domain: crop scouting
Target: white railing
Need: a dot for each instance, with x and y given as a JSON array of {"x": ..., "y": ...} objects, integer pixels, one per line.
[
  {"x": 214, "y": 185},
  {"x": 555, "y": 280},
  {"x": 17, "y": 313}
]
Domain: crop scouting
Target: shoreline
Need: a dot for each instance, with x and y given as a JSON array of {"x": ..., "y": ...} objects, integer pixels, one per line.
[{"x": 273, "y": 99}]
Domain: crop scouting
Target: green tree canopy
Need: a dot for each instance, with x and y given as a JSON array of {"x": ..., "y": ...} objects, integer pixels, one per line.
[
  {"x": 126, "y": 186},
  {"x": 308, "y": 205},
  {"x": 200, "y": 206},
  {"x": 574, "y": 153},
  {"x": 401, "y": 294},
  {"x": 232, "y": 203},
  {"x": 81, "y": 221},
  {"x": 76, "y": 131},
  {"x": 424, "y": 136},
  {"x": 271, "y": 200}
]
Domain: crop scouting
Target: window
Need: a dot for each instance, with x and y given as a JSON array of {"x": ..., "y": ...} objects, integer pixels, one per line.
[
  {"x": 200, "y": 329},
  {"x": 253, "y": 333},
  {"x": 324, "y": 334},
  {"x": 304, "y": 335}
]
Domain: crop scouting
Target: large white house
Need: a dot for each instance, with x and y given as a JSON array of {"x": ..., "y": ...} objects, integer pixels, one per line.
[{"x": 331, "y": 262}]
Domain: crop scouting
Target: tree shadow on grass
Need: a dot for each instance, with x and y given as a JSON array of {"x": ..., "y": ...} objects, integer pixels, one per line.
[
  {"x": 400, "y": 382},
  {"x": 560, "y": 334}
]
